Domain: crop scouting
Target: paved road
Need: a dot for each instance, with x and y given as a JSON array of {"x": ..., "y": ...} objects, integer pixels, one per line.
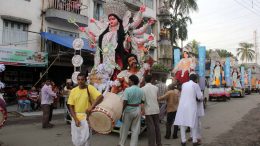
[{"x": 220, "y": 117}]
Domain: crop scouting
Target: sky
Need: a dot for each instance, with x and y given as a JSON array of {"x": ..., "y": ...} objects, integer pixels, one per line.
[{"x": 225, "y": 23}]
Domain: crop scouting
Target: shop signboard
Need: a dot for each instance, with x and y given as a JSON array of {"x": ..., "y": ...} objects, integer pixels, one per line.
[{"x": 9, "y": 56}]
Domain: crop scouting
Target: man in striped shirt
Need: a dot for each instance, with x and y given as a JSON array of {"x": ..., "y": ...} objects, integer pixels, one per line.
[{"x": 162, "y": 89}]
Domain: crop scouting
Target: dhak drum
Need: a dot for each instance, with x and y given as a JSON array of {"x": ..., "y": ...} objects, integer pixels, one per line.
[
  {"x": 102, "y": 118},
  {"x": 3, "y": 112}
]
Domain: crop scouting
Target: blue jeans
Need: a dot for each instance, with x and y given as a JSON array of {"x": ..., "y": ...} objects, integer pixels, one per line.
[{"x": 24, "y": 105}]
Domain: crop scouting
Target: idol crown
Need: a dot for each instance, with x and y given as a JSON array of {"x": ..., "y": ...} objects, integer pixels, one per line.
[{"x": 116, "y": 7}]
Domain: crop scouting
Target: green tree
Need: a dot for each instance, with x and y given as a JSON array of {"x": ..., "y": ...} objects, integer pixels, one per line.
[
  {"x": 194, "y": 45},
  {"x": 180, "y": 18},
  {"x": 178, "y": 28},
  {"x": 183, "y": 6},
  {"x": 182, "y": 30},
  {"x": 224, "y": 53},
  {"x": 208, "y": 51},
  {"x": 245, "y": 52}
]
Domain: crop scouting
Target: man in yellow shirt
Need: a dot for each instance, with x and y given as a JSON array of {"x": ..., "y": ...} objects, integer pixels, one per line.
[{"x": 82, "y": 100}]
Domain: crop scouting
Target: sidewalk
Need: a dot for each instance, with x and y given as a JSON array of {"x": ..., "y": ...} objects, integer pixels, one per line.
[{"x": 13, "y": 108}]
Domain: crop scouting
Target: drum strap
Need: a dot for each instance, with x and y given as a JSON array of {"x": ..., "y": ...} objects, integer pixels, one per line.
[{"x": 89, "y": 98}]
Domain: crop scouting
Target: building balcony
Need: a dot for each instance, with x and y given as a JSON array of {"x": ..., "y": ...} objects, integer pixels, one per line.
[
  {"x": 59, "y": 12},
  {"x": 164, "y": 17},
  {"x": 133, "y": 4}
]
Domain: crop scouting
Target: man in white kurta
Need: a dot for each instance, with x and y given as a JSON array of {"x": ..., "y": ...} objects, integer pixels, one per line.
[{"x": 187, "y": 112}]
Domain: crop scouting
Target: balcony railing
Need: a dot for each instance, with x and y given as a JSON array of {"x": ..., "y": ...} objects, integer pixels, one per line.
[
  {"x": 66, "y": 5},
  {"x": 134, "y": 4}
]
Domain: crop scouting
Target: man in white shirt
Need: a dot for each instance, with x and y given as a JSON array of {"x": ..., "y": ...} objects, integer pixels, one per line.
[
  {"x": 187, "y": 112},
  {"x": 47, "y": 96},
  {"x": 151, "y": 108}
]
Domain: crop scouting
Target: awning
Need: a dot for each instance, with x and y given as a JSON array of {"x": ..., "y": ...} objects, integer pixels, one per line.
[{"x": 66, "y": 41}]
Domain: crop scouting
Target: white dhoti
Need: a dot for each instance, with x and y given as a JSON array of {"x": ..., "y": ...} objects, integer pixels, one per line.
[{"x": 80, "y": 135}]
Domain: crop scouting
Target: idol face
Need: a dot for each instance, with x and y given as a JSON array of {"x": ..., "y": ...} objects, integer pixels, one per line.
[
  {"x": 112, "y": 21},
  {"x": 185, "y": 54},
  {"x": 132, "y": 62}
]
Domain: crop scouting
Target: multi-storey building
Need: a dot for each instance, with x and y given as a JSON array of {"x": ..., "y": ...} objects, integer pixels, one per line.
[
  {"x": 20, "y": 25},
  {"x": 165, "y": 50},
  {"x": 36, "y": 36}
]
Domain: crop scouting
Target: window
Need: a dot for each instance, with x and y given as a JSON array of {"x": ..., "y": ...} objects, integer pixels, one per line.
[
  {"x": 15, "y": 32},
  {"x": 98, "y": 9},
  {"x": 149, "y": 3}
]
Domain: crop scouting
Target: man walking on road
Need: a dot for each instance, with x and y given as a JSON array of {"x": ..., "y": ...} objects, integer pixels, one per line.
[
  {"x": 47, "y": 96},
  {"x": 131, "y": 112},
  {"x": 187, "y": 112},
  {"x": 172, "y": 101},
  {"x": 152, "y": 110},
  {"x": 82, "y": 100}
]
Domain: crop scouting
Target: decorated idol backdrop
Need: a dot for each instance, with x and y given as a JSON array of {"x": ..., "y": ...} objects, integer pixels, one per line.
[
  {"x": 237, "y": 74},
  {"x": 217, "y": 76},
  {"x": 212, "y": 64},
  {"x": 114, "y": 42},
  {"x": 121, "y": 49},
  {"x": 227, "y": 72},
  {"x": 242, "y": 77},
  {"x": 77, "y": 59},
  {"x": 249, "y": 77},
  {"x": 177, "y": 55},
  {"x": 202, "y": 64},
  {"x": 185, "y": 66}
]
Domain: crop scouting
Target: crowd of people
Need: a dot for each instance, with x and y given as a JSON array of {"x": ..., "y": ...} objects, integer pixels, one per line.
[
  {"x": 30, "y": 100},
  {"x": 182, "y": 104}
]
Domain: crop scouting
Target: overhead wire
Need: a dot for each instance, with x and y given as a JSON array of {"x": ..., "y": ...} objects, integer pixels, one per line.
[
  {"x": 235, "y": 29},
  {"x": 252, "y": 5},
  {"x": 19, "y": 42},
  {"x": 218, "y": 25},
  {"x": 246, "y": 7}
]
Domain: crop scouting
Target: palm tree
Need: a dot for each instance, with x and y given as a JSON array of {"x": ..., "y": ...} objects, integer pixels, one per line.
[
  {"x": 245, "y": 52},
  {"x": 224, "y": 53},
  {"x": 180, "y": 18},
  {"x": 182, "y": 28},
  {"x": 183, "y": 6},
  {"x": 178, "y": 28}
]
